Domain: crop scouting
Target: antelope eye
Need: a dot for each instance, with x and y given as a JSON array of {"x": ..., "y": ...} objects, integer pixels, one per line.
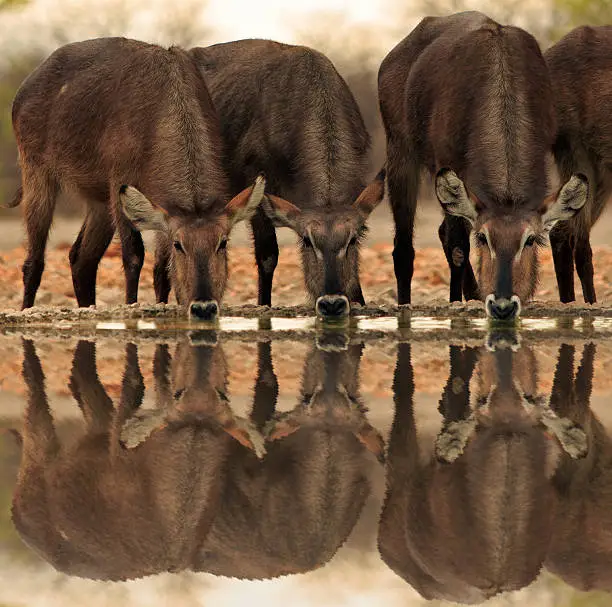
[
  {"x": 481, "y": 238},
  {"x": 353, "y": 241},
  {"x": 222, "y": 245},
  {"x": 306, "y": 241},
  {"x": 530, "y": 240},
  {"x": 178, "y": 246}
]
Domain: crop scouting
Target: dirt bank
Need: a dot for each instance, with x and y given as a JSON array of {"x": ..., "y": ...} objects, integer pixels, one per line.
[{"x": 430, "y": 282}]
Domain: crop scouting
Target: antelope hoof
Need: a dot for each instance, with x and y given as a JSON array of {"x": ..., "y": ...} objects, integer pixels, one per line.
[
  {"x": 203, "y": 310},
  {"x": 332, "y": 306},
  {"x": 503, "y": 308}
]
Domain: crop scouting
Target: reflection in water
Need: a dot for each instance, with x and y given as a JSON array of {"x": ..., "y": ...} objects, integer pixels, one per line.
[
  {"x": 581, "y": 549},
  {"x": 99, "y": 510},
  {"x": 478, "y": 517},
  {"x": 514, "y": 480},
  {"x": 190, "y": 485},
  {"x": 292, "y": 510}
]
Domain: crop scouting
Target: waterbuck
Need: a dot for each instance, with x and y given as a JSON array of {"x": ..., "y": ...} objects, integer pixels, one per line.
[
  {"x": 287, "y": 112},
  {"x": 580, "y": 67},
  {"x": 100, "y": 509},
  {"x": 476, "y": 518},
  {"x": 291, "y": 511},
  {"x": 130, "y": 128},
  {"x": 581, "y": 549},
  {"x": 471, "y": 102}
]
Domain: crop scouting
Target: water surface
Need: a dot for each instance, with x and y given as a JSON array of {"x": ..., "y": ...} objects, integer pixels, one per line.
[{"x": 392, "y": 462}]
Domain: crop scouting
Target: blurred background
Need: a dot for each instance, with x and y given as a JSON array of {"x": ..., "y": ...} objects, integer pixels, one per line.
[{"x": 355, "y": 34}]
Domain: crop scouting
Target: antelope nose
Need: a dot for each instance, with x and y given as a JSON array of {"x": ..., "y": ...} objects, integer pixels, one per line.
[
  {"x": 332, "y": 306},
  {"x": 502, "y": 308},
  {"x": 203, "y": 310}
]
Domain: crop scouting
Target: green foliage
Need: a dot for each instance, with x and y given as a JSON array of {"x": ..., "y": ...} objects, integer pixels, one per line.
[
  {"x": 568, "y": 14},
  {"x": 11, "y": 78},
  {"x": 4, "y": 4}
]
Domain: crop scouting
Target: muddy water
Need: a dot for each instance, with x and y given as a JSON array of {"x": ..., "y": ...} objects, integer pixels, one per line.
[{"x": 390, "y": 461}]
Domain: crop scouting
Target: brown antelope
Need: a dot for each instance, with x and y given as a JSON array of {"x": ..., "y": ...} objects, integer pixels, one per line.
[
  {"x": 292, "y": 510},
  {"x": 580, "y": 552},
  {"x": 475, "y": 518},
  {"x": 580, "y": 67},
  {"x": 471, "y": 102},
  {"x": 99, "y": 509},
  {"x": 104, "y": 117},
  {"x": 287, "y": 112}
]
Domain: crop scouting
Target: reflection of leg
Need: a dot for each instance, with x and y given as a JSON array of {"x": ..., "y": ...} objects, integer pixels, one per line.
[
  {"x": 39, "y": 436},
  {"x": 584, "y": 376},
  {"x": 266, "y": 255},
  {"x": 266, "y": 386},
  {"x": 403, "y": 450},
  {"x": 88, "y": 391},
  {"x": 563, "y": 259},
  {"x": 87, "y": 250},
  {"x": 561, "y": 396},
  {"x": 455, "y": 402},
  {"x": 132, "y": 386},
  {"x": 458, "y": 423},
  {"x": 161, "y": 374}
]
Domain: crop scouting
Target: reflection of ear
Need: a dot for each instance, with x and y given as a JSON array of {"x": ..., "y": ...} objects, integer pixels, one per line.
[
  {"x": 372, "y": 195},
  {"x": 570, "y": 199},
  {"x": 141, "y": 211},
  {"x": 281, "y": 211},
  {"x": 243, "y": 206},
  {"x": 283, "y": 428},
  {"x": 239, "y": 434},
  {"x": 453, "y": 438},
  {"x": 372, "y": 440},
  {"x": 453, "y": 196}
]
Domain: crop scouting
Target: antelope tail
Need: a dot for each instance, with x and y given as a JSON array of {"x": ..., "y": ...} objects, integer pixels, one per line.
[{"x": 16, "y": 200}]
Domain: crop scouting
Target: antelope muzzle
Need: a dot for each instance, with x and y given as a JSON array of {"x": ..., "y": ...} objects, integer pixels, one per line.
[
  {"x": 206, "y": 311},
  {"x": 503, "y": 308},
  {"x": 332, "y": 306}
]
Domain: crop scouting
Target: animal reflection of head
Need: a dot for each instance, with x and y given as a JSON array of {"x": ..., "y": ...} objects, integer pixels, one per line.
[
  {"x": 102, "y": 510},
  {"x": 475, "y": 518},
  {"x": 581, "y": 549},
  {"x": 292, "y": 511}
]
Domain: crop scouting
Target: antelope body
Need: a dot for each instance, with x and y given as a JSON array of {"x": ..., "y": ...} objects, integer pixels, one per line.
[
  {"x": 101, "y": 510},
  {"x": 130, "y": 128},
  {"x": 580, "y": 67},
  {"x": 470, "y": 101},
  {"x": 476, "y": 518},
  {"x": 285, "y": 111}
]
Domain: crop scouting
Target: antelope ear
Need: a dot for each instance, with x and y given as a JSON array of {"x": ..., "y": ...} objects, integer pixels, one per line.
[
  {"x": 372, "y": 195},
  {"x": 453, "y": 196},
  {"x": 141, "y": 211},
  {"x": 239, "y": 434},
  {"x": 243, "y": 206},
  {"x": 282, "y": 429},
  {"x": 570, "y": 199},
  {"x": 281, "y": 211}
]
